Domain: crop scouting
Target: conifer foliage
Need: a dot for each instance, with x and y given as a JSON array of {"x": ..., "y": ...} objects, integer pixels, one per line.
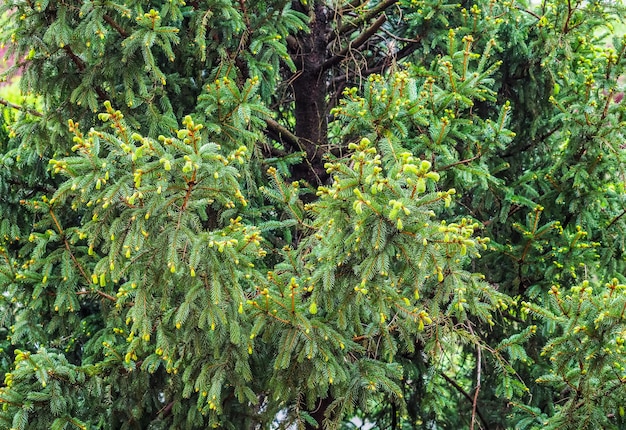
[{"x": 273, "y": 214}]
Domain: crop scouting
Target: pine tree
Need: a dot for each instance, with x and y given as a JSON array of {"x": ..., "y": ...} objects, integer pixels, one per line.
[{"x": 265, "y": 213}]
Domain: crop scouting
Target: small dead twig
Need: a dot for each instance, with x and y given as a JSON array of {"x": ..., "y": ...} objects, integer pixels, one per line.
[{"x": 478, "y": 375}]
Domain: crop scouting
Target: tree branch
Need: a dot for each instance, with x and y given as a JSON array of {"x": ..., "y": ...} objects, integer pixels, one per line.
[
  {"x": 20, "y": 107},
  {"x": 478, "y": 372},
  {"x": 384, "y": 62},
  {"x": 78, "y": 62},
  {"x": 349, "y": 26},
  {"x": 531, "y": 144},
  {"x": 408, "y": 49},
  {"x": 614, "y": 220},
  {"x": 80, "y": 65},
  {"x": 466, "y": 395},
  {"x": 33, "y": 188},
  {"x": 69, "y": 249},
  {"x": 352, "y": 5},
  {"x": 100, "y": 293},
  {"x": 339, "y": 80},
  {"x": 530, "y": 12},
  {"x": 115, "y": 25},
  {"x": 283, "y": 135},
  {"x": 356, "y": 43},
  {"x": 467, "y": 161},
  {"x": 401, "y": 39}
]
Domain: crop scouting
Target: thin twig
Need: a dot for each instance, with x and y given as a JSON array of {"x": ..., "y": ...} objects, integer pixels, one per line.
[
  {"x": 401, "y": 39},
  {"x": 356, "y": 43},
  {"x": 81, "y": 66},
  {"x": 354, "y": 4},
  {"x": 530, "y": 12},
  {"x": 101, "y": 293},
  {"x": 478, "y": 372},
  {"x": 352, "y": 25},
  {"x": 69, "y": 250},
  {"x": 467, "y": 161},
  {"x": 465, "y": 394},
  {"x": 67, "y": 246},
  {"x": 616, "y": 219}
]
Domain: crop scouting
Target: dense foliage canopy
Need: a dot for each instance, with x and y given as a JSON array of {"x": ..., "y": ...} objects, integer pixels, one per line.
[{"x": 306, "y": 214}]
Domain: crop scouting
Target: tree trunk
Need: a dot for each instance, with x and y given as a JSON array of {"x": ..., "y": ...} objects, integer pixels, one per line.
[
  {"x": 319, "y": 414},
  {"x": 309, "y": 89}
]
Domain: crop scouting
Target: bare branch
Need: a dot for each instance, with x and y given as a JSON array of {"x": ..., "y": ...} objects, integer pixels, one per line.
[
  {"x": 616, "y": 219},
  {"x": 100, "y": 293},
  {"x": 115, "y": 25},
  {"x": 354, "y": 4},
  {"x": 352, "y": 25},
  {"x": 401, "y": 39},
  {"x": 478, "y": 373},
  {"x": 20, "y": 108},
  {"x": 78, "y": 62},
  {"x": 408, "y": 49},
  {"x": 282, "y": 134},
  {"x": 356, "y": 43},
  {"x": 467, "y": 161},
  {"x": 80, "y": 65},
  {"x": 530, "y": 12},
  {"x": 466, "y": 395}
]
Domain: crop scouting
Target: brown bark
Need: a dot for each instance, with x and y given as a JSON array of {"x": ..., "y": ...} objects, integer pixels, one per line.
[
  {"x": 319, "y": 414},
  {"x": 309, "y": 89}
]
